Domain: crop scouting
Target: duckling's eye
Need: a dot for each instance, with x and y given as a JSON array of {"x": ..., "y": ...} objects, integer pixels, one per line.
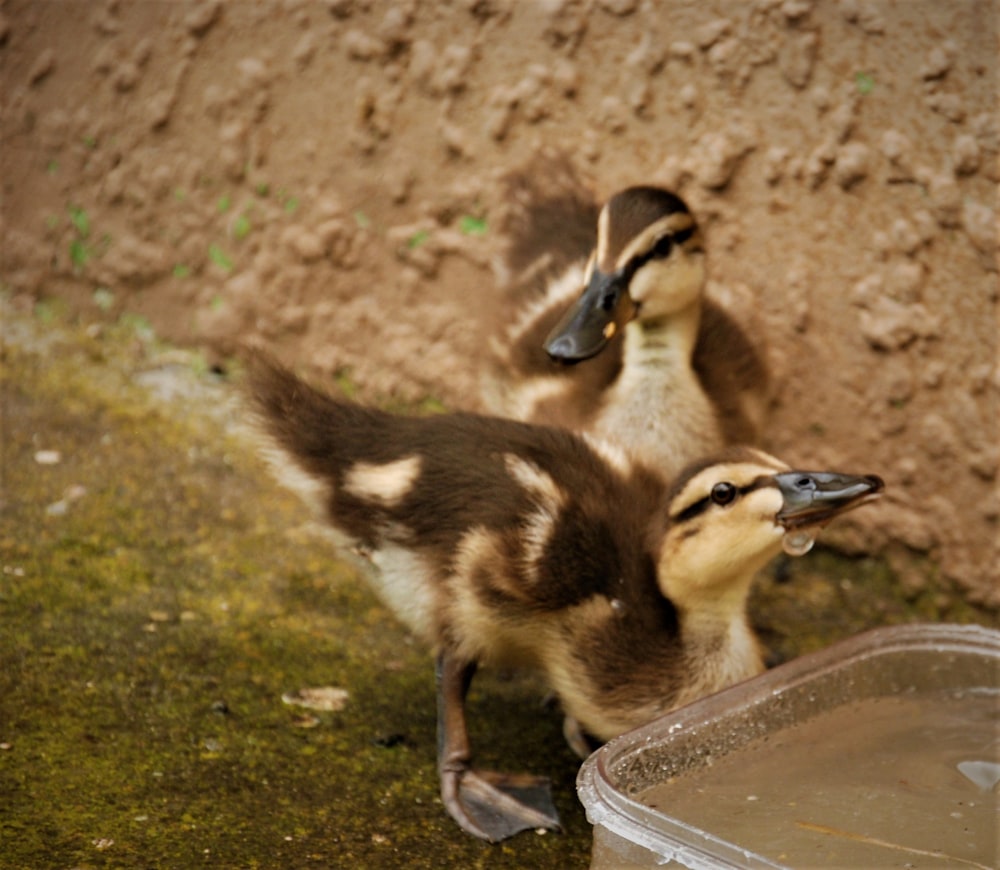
[
  {"x": 664, "y": 245},
  {"x": 723, "y": 493}
]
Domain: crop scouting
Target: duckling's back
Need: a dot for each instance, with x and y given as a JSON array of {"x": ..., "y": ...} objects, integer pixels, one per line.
[{"x": 469, "y": 520}]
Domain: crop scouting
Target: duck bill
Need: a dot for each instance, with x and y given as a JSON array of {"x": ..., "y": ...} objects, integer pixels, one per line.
[
  {"x": 813, "y": 498},
  {"x": 584, "y": 331}
]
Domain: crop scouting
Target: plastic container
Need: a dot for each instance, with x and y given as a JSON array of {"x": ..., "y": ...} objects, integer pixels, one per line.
[{"x": 882, "y": 750}]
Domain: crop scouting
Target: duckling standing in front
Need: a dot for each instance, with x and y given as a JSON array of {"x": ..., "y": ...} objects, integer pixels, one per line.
[
  {"x": 657, "y": 368},
  {"x": 505, "y": 543}
]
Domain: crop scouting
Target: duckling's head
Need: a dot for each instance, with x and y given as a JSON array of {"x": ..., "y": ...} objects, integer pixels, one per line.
[
  {"x": 648, "y": 263},
  {"x": 727, "y": 517}
]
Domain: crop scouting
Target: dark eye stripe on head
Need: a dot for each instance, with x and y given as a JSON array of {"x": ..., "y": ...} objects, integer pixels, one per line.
[
  {"x": 677, "y": 237},
  {"x": 703, "y": 504},
  {"x": 681, "y": 236}
]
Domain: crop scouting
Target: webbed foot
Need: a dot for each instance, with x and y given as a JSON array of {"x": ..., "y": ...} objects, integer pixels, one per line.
[
  {"x": 489, "y": 805},
  {"x": 495, "y": 806}
]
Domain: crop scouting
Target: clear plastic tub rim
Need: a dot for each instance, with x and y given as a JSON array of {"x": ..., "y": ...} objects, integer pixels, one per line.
[{"x": 878, "y": 662}]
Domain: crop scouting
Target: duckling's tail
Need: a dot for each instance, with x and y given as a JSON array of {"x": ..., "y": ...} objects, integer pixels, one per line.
[{"x": 308, "y": 437}]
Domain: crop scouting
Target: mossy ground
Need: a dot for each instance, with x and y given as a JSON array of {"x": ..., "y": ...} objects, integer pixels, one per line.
[
  {"x": 148, "y": 633},
  {"x": 158, "y": 596}
]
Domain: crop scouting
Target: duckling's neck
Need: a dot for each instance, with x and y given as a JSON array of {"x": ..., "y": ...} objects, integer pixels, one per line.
[
  {"x": 719, "y": 646},
  {"x": 658, "y": 401},
  {"x": 669, "y": 339}
]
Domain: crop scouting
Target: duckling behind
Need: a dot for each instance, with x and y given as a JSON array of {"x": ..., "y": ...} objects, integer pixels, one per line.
[
  {"x": 506, "y": 543},
  {"x": 656, "y": 366}
]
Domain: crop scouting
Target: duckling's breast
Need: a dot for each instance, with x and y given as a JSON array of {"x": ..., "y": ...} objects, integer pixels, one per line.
[{"x": 661, "y": 417}]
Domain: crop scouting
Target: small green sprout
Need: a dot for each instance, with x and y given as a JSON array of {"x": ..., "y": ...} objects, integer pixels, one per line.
[
  {"x": 241, "y": 227},
  {"x": 219, "y": 257},
  {"x": 78, "y": 253},
  {"x": 472, "y": 226},
  {"x": 362, "y": 220},
  {"x": 181, "y": 270},
  {"x": 224, "y": 203},
  {"x": 81, "y": 222},
  {"x": 417, "y": 239},
  {"x": 865, "y": 82},
  {"x": 288, "y": 202},
  {"x": 79, "y": 249}
]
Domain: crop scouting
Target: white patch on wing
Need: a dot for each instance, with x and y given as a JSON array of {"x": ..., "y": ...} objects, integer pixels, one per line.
[
  {"x": 387, "y": 483},
  {"x": 539, "y": 525},
  {"x": 536, "y": 480},
  {"x": 535, "y": 536}
]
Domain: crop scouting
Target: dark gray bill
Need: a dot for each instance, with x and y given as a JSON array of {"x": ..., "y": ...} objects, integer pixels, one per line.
[
  {"x": 812, "y": 497},
  {"x": 585, "y": 330}
]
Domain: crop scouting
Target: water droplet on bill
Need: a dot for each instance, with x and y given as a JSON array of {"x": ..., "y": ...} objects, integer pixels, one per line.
[{"x": 798, "y": 543}]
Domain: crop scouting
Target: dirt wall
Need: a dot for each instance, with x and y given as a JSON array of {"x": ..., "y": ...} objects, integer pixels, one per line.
[{"x": 325, "y": 176}]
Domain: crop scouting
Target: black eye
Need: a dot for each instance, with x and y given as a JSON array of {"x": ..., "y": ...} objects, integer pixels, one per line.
[
  {"x": 723, "y": 493},
  {"x": 664, "y": 245}
]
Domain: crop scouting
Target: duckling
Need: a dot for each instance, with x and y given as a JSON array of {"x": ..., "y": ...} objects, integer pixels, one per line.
[
  {"x": 505, "y": 543},
  {"x": 640, "y": 357}
]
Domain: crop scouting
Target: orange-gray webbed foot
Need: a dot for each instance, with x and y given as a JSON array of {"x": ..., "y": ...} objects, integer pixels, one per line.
[{"x": 490, "y": 805}]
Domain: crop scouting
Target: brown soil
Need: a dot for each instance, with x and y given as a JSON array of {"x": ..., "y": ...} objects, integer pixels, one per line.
[{"x": 326, "y": 177}]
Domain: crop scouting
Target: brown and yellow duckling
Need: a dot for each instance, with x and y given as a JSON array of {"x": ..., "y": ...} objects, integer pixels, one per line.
[
  {"x": 505, "y": 543},
  {"x": 656, "y": 367}
]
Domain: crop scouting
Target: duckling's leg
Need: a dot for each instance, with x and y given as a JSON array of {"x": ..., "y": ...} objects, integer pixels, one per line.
[
  {"x": 490, "y": 805},
  {"x": 579, "y": 740}
]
